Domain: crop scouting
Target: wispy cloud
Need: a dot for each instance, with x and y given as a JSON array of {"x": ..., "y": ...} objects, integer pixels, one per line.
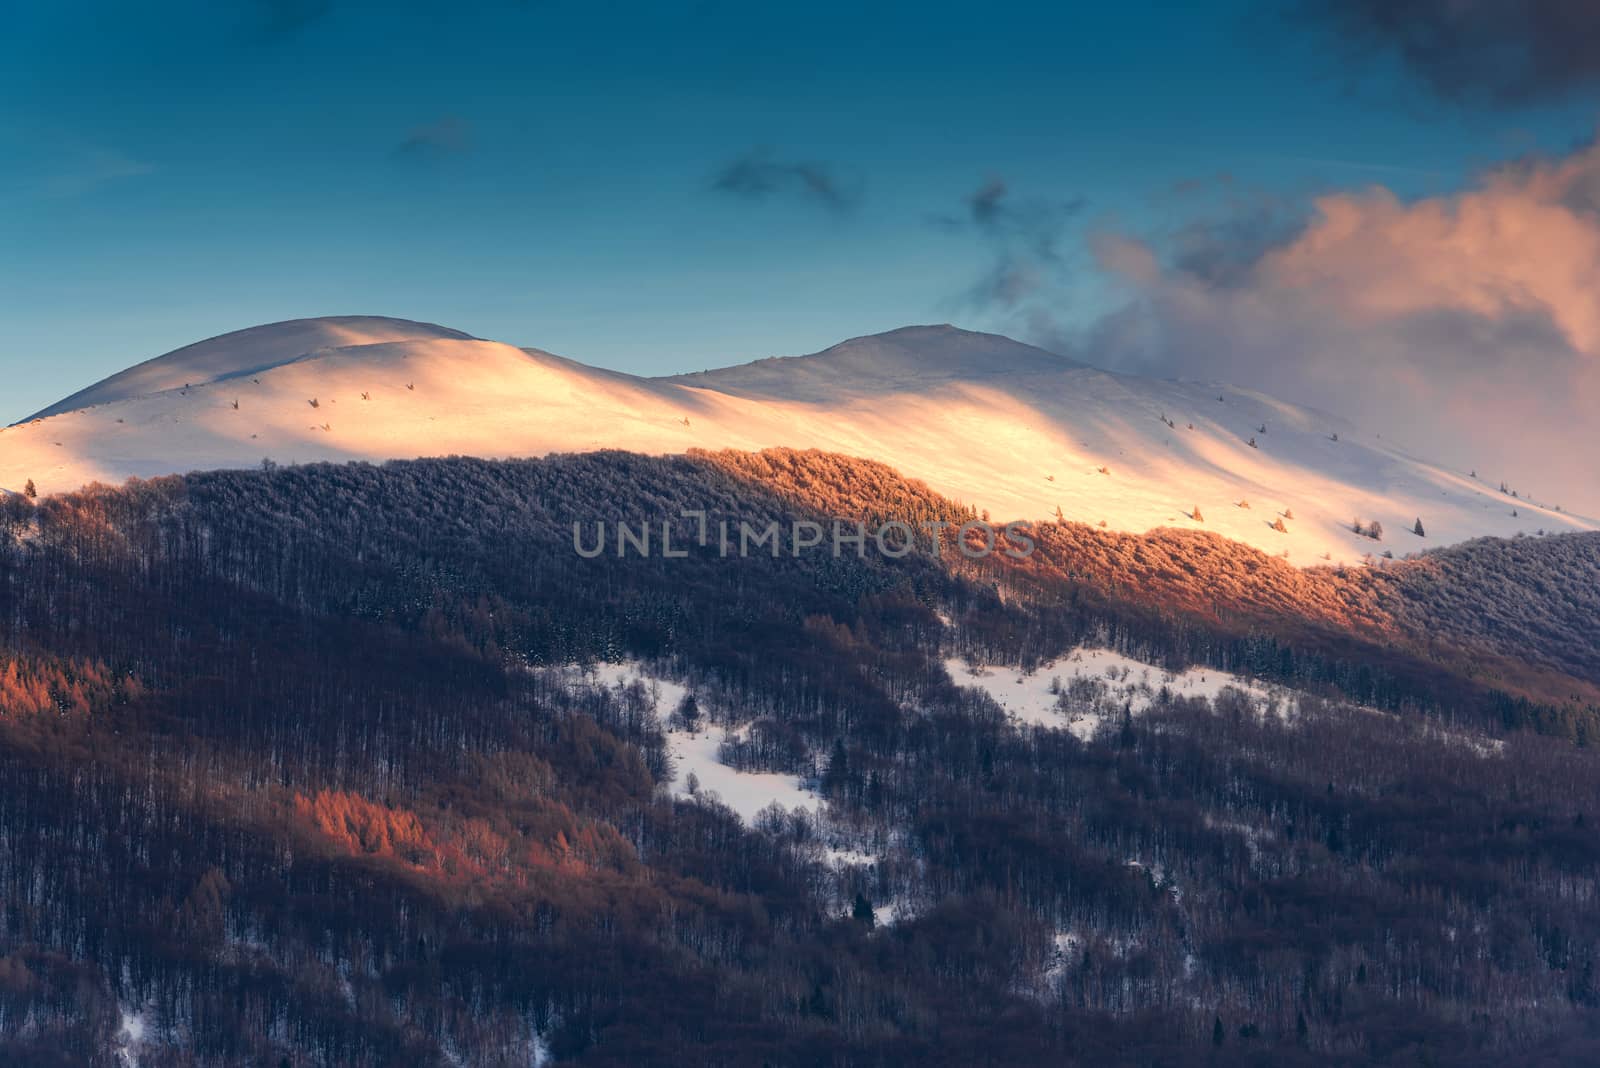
[
  {"x": 86, "y": 168},
  {"x": 1034, "y": 224},
  {"x": 447, "y": 136},
  {"x": 103, "y": 167},
  {"x": 758, "y": 175},
  {"x": 1025, "y": 239}
]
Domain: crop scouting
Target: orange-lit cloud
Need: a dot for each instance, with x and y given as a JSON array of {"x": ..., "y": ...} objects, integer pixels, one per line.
[{"x": 1467, "y": 325}]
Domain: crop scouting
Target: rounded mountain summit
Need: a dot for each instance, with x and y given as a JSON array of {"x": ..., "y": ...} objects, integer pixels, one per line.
[{"x": 247, "y": 352}]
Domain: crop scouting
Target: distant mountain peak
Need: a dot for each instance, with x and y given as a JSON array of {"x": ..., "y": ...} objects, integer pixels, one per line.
[
  {"x": 914, "y": 330},
  {"x": 905, "y": 359}
]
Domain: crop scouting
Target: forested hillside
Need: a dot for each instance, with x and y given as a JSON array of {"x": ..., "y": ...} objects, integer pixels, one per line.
[{"x": 310, "y": 766}]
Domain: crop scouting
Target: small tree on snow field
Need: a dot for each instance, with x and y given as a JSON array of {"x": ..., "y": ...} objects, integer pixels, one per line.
[
  {"x": 30, "y": 491},
  {"x": 687, "y": 715},
  {"x": 1417, "y": 530}
]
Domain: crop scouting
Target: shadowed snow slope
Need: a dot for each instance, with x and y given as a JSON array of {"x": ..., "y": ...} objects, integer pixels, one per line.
[{"x": 1004, "y": 426}]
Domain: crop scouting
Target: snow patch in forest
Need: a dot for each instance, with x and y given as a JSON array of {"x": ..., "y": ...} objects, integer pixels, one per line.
[
  {"x": 1253, "y": 836},
  {"x": 837, "y": 858},
  {"x": 131, "y": 1031},
  {"x": 1159, "y": 878},
  {"x": 536, "y": 1049},
  {"x": 696, "y": 753},
  {"x": 895, "y": 910},
  {"x": 747, "y": 793},
  {"x": 541, "y": 1051},
  {"x": 1087, "y": 687},
  {"x": 1066, "y": 949}
]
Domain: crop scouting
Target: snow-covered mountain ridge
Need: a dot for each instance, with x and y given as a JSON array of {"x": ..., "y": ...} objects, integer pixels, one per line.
[{"x": 998, "y": 424}]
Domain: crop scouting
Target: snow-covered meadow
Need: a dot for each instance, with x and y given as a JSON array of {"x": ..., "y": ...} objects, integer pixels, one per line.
[{"x": 1086, "y": 688}]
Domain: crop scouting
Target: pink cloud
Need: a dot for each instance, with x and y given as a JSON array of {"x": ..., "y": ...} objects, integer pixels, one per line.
[{"x": 1466, "y": 325}]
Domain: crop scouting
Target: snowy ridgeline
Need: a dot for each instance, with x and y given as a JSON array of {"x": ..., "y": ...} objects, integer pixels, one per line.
[{"x": 954, "y": 409}]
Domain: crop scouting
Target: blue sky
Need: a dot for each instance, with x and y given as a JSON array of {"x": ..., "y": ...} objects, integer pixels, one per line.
[{"x": 654, "y": 187}]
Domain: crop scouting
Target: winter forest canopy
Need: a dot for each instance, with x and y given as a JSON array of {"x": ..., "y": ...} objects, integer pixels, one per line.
[{"x": 326, "y": 765}]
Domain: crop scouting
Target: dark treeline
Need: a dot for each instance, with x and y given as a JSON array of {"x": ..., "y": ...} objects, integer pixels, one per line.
[{"x": 300, "y": 765}]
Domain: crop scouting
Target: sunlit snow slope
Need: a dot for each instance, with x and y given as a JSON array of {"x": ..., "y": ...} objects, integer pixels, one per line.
[
  {"x": 246, "y": 352},
  {"x": 995, "y": 423}
]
